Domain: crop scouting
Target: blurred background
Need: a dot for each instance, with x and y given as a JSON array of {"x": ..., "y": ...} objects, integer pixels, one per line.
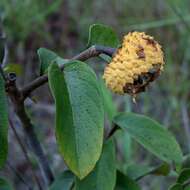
[{"x": 62, "y": 26}]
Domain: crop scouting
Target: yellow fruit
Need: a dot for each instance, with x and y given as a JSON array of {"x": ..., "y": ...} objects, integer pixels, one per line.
[{"x": 137, "y": 63}]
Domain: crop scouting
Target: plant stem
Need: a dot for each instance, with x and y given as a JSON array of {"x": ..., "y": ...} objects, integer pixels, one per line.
[
  {"x": 18, "y": 103},
  {"x": 35, "y": 144},
  {"x": 112, "y": 131},
  {"x": 93, "y": 51},
  {"x": 25, "y": 153},
  {"x": 18, "y": 175}
]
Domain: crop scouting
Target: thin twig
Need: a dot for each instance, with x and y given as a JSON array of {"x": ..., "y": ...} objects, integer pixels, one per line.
[
  {"x": 6, "y": 54},
  {"x": 6, "y": 50},
  {"x": 25, "y": 153},
  {"x": 2, "y": 72},
  {"x": 93, "y": 51},
  {"x": 112, "y": 131},
  {"x": 35, "y": 144},
  {"x": 19, "y": 176},
  {"x": 18, "y": 103},
  {"x": 186, "y": 122}
]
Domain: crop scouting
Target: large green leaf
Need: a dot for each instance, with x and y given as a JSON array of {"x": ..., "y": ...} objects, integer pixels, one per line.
[
  {"x": 47, "y": 57},
  {"x": 5, "y": 185},
  {"x": 3, "y": 123},
  {"x": 100, "y": 34},
  {"x": 103, "y": 177},
  {"x": 151, "y": 135},
  {"x": 125, "y": 183},
  {"x": 63, "y": 181},
  {"x": 79, "y": 115}
]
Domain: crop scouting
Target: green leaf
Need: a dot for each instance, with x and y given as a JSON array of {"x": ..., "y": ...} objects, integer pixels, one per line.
[
  {"x": 186, "y": 161},
  {"x": 100, "y": 34},
  {"x": 3, "y": 123},
  {"x": 103, "y": 177},
  {"x": 163, "y": 169},
  {"x": 5, "y": 185},
  {"x": 79, "y": 115},
  {"x": 184, "y": 176},
  {"x": 151, "y": 135},
  {"x": 16, "y": 68},
  {"x": 136, "y": 172},
  {"x": 109, "y": 106},
  {"x": 63, "y": 181},
  {"x": 47, "y": 57},
  {"x": 176, "y": 186},
  {"x": 125, "y": 183}
]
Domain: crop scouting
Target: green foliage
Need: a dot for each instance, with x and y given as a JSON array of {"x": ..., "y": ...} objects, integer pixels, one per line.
[
  {"x": 138, "y": 171},
  {"x": 176, "y": 186},
  {"x": 25, "y": 14},
  {"x": 63, "y": 182},
  {"x": 184, "y": 176},
  {"x": 146, "y": 131},
  {"x": 80, "y": 103},
  {"x": 16, "y": 68},
  {"x": 47, "y": 57},
  {"x": 103, "y": 177},
  {"x": 163, "y": 169},
  {"x": 124, "y": 182},
  {"x": 5, "y": 185},
  {"x": 102, "y": 35},
  {"x": 79, "y": 115},
  {"x": 3, "y": 123},
  {"x": 182, "y": 181}
]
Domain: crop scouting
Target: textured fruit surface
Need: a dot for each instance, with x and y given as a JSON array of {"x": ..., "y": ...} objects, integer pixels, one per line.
[{"x": 137, "y": 63}]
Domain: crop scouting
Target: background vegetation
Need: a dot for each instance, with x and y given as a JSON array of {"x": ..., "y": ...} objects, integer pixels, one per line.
[{"x": 62, "y": 25}]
